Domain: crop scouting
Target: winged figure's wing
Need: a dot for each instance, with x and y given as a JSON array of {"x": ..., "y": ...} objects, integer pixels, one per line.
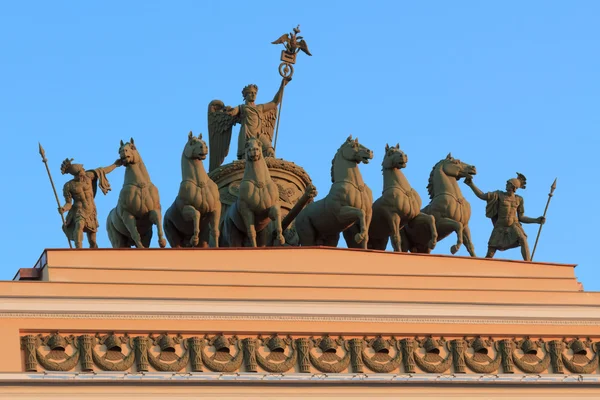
[
  {"x": 268, "y": 123},
  {"x": 220, "y": 125}
]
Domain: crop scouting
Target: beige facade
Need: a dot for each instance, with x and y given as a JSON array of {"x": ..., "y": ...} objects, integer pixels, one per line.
[{"x": 295, "y": 323}]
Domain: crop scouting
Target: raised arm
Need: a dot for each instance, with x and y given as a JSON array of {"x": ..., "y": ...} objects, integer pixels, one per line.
[
  {"x": 107, "y": 170},
  {"x": 112, "y": 166},
  {"x": 278, "y": 96},
  {"x": 475, "y": 189}
]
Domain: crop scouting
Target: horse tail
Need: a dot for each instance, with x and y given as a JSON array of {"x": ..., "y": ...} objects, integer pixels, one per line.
[
  {"x": 117, "y": 240},
  {"x": 171, "y": 232}
]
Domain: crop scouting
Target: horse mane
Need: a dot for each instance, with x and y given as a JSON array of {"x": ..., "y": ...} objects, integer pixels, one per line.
[
  {"x": 333, "y": 162},
  {"x": 430, "y": 182}
]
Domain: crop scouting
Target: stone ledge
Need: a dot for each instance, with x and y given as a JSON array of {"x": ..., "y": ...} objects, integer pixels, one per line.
[{"x": 259, "y": 378}]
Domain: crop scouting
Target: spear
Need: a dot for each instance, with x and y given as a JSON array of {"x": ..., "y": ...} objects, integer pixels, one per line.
[
  {"x": 545, "y": 210},
  {"x": 45, "y": 161},
  {"x": 293, "y": 44}
]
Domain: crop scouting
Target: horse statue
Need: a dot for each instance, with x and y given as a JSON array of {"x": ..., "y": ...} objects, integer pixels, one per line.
[
  {"x": 348, "y": 202},
  {"x": 257, "y": 204},
  {"x": 130, "y": 222},
  {"x": 197, "y": 204},
  {"x": 448, "y": 206},
  {"x": 398, "y": 205}
]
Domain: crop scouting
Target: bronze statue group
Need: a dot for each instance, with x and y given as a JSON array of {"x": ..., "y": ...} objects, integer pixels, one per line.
[
  {"x": 255, "y": 218},
  {"x": 198, "y": 217}
]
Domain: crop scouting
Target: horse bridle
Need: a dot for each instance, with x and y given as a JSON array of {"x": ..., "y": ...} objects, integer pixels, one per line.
[{"x": 360, "y": 188}]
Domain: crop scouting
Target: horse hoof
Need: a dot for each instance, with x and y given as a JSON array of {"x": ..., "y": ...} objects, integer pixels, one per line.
[
  {"x": 454, "y": 249},
  {"x": 139, "y": 246},
  {"x": 432, "y": 244},
  {"x": 194, "y": 242},
  {"x": 359, "y": 238},
  {"x": 162, "y": 243}
]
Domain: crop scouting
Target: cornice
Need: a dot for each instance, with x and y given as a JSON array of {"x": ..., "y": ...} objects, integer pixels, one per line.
[
  {"x": 92, "y": 378},
  {"x": 303, "y": 318}
]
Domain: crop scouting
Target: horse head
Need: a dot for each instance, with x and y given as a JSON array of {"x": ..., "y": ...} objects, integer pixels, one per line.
[
  {"x": 253, "y": 149},
  {"x": 195, "y": 148},
  {"x": 128, "y": 153},
  {"x": 351, "y": 150},
  {"x": 394, "y": 158},
  {"x": 457, "y": 169}
]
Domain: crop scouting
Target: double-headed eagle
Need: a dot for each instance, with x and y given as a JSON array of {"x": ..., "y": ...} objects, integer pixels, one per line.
[{"x": 293, "y": 43}]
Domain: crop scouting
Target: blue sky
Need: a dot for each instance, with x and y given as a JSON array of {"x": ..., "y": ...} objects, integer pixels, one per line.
[{"x": 507, "y": 86}]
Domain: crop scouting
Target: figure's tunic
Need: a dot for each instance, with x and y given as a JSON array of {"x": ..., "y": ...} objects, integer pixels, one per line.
[
  {"x": 82, "y": 194},
  {"x": 503, "y": 209},
  {"x": 252, "y": 119}
]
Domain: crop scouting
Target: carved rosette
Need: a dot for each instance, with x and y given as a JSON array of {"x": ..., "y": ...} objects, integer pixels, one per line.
[
  {"x": 381, "y": 361},
  {"x": 168, "y": 359},
  {"x": 284, "y": 354},
  {"x": 480, "y": 361},
  {"x": 113, "y": 358},
  {"x": 57, "y": 358},
  {"x": 579, "y": 362},
  {"x": 530, "y": 362},
  {"x": 222, "y": 360},
  {"x": 277, "y": 360},
  {"x": 329, "y": 361},
  {"x": 432, "y": 361}
]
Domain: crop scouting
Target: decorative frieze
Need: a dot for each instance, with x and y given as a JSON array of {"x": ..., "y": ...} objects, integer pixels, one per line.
[{"x": 325, "y": 354}]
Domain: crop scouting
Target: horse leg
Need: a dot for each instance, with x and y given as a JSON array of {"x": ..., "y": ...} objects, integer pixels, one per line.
[
  {"x": 348, "y": 214},
  {"x": 368, "y": 218},
  {"x": 428, "y": 220},
  {"x": 248, "y": 218},
  {"x": 214, "y": 223},
  {"x": 171, "y": 232},
  {"x": 156, "y": 219},
  {"x": 275, "y": 215},
  {"x": 189, "y": 213},
  {"x": 306, "y": 232},
  {"x": 405, "y": 245},
  {"x": 467, "y": 240},
  {"x": 394, "y": 221},
  {"x": 130, "y": 223},
  {"x": 117, "y": 240},
  {"x": 454, "y": 226}
]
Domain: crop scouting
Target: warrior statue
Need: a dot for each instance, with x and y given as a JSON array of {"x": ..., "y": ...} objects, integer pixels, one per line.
[
  {"x": 256, "y": 120},
  {"x": 79, "y": 195},
  {"x": 506, "y": 211}
]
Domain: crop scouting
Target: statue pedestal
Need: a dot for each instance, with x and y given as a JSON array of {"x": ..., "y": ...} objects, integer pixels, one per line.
[{"x": 284, "y": 322}]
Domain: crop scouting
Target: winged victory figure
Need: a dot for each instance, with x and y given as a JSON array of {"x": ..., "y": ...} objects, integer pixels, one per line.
[{"x": 256, "y": 120}]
